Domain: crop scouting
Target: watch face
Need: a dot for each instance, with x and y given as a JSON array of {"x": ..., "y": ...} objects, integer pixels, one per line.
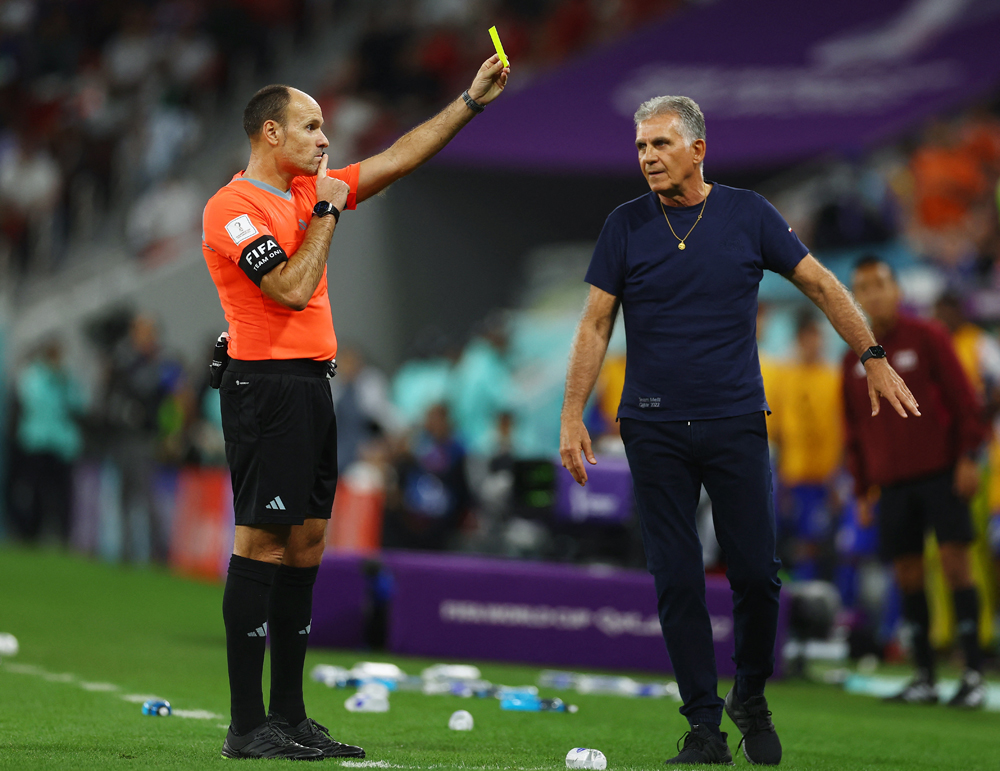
[
  {"x": 322, "y": 208},
  {"x": 877, "y": 351}
]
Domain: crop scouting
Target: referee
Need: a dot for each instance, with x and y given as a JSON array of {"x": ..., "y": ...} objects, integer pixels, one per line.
[
  {"x": 684, "y": 261},
  {"x": 267, "y": 238}
]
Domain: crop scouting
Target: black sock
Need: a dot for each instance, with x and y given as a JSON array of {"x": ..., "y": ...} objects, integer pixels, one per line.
[
  {"x": 290, "y": 617},
  {"x": 967, "y": 624},
  {"x": 917, "y": 616},
  {"x": 748, "y": 687},
  {"x": 244, "y": 610}
]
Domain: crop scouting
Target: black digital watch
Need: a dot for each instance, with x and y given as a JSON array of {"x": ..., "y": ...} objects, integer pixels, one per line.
[
  {"x": 875, "y": 352},
  {"x": 322, "y": 208}
]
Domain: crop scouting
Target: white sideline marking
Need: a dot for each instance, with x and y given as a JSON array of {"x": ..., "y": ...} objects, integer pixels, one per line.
[
  {"x": 23, "y": 669},
  {"x": 387, "y": 764},
  {"x": 198, "y": 714},
  {"x": 62, "y": 677},
  {"x": 97, "y": 687},
  {"x": 139, "y": 698},
  {"x": 132, "y": 698}
]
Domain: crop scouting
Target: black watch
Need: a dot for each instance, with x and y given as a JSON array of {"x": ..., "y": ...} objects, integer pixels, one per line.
[
  {"x": 322, "y": 208},
  {"x": 875, "y": 352}
]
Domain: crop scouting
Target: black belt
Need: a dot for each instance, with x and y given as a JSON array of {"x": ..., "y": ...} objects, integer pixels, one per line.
[{"x": 302, "y": 367}]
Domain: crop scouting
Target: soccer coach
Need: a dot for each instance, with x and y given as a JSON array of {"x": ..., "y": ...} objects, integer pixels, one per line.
[
  {"x": 684, "y": 261},
  {"x": 267, "y": 239}
]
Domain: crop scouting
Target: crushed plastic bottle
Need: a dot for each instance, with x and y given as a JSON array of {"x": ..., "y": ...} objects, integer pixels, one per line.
[
  {"x": 461, "y": 721},
  {"x": 582, "y": 757},
  {"x": 531, "y": 703},
  {"x": 157, "y": 708},
  {"x": 367, "y": 702}
]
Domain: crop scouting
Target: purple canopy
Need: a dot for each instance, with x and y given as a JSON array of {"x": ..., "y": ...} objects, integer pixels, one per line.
[{"x": 778, "y": 81}]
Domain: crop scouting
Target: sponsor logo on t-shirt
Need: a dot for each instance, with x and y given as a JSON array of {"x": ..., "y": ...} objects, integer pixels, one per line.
[
  {"x": 646, "y": 402},
  {"x": 240, "y": 229}
]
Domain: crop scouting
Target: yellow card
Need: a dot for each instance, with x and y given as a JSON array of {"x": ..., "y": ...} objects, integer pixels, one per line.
[{"x": 499, "y": 47}]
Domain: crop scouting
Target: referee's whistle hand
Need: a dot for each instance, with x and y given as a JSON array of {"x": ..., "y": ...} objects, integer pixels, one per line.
[
  {"x": 884, "y": 381},
  {"x": 574, "y": 444}
]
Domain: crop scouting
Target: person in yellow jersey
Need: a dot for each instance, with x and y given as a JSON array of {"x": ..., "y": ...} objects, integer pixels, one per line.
[
  {"x": 807, "y": 432},
  {"x": 979, "y": 353}
]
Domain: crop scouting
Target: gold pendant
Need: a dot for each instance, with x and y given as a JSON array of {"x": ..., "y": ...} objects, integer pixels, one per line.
[{"x": 681, "y": 246}]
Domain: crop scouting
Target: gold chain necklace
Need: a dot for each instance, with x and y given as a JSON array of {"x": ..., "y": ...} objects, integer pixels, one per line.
[{"x": 681, "y": 245}]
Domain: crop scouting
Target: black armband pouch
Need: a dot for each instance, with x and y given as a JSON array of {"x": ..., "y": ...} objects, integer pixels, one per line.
[{"x": 220, "y": 360}]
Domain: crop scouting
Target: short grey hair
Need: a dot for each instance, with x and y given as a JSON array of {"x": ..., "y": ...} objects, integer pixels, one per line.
[{"x": 692, "y": 122}]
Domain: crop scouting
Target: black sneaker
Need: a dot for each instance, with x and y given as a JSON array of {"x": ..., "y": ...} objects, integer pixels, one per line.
[
  {"x": 309, "y": 733},
  {"x": 704, "y": 747},
  {"x": 971, "y": 692},
  {"x": 760, "y": 741},
  {"x": 920, "y": 690},
  {"x": 267, "y": 741}
]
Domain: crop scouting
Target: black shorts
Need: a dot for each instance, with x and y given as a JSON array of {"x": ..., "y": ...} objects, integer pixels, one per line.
[
  {"x": 281, "y": 440},
  {"x": 909, "y": 509}
]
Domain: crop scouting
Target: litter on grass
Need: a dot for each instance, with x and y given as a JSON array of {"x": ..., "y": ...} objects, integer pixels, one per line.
[
  {"x": 461, "y": 720},
  {"x": 582, "y": 757},
  {"x": 608, "y": 685}
]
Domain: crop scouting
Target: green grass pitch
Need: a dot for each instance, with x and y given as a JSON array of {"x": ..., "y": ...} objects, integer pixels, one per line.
[{"x": 91, "y": 634}]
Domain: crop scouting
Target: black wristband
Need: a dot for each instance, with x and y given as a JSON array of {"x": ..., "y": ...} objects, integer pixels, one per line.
[
  {"x": 472, "y": 104},
  {"x": 875, "y": 352}
]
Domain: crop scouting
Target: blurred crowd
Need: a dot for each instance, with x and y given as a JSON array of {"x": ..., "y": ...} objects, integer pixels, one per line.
[
  {"x": 103, "y": 102},
  {"x": 934, "y": 194},
  {"x": 100, "y": 100},
  {"x": 412, "y": 56}
]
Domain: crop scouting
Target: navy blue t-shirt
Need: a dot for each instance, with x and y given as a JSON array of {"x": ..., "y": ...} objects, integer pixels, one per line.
[{"x": 691, "y": 315}]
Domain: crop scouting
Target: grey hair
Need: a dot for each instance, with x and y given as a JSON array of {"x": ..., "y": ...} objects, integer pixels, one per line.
[{"x": 692, "y": 122}]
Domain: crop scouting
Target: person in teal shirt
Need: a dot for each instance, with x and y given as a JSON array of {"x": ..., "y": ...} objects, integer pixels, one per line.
[{"x": 47, "y": 442}]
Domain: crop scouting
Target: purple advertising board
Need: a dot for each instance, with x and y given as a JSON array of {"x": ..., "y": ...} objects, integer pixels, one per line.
[
  {"x": 607, "y": 498},
  {"x": 450, "y": 606},
  {"x": 778, "y": 81}
]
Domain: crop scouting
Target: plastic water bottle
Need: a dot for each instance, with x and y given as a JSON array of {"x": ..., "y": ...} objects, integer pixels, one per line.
[
  {"x": 367, "y": 702},
  {"x": 582, "y": 757},
  {"x": 530, "y": 703},
  {"x": 616, "y": 686},
  {"x": 552, "y": 678},
  {"x": 157, "y": 708},
  {"x": 330, "y": 676}
]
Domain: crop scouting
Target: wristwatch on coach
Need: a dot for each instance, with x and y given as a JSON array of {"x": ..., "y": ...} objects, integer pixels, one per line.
[
  {"x": 875, "y": 352},
  {"x": 322, "y": 208}
]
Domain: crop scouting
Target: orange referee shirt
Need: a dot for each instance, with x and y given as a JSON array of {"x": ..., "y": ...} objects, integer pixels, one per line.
[{"x": 251, "y": 227}]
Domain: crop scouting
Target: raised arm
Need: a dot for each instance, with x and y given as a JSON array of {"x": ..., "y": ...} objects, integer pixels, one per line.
[
  {"x": 426, "y": 140},
  {"x": 590, "y": 343},
  {"x": 819, "y": 284}
]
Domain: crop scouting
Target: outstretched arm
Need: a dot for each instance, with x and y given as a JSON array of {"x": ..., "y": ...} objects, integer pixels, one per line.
[
  {"x": 590, "y": 343},
  {"x": 426, "y": 140},
  {"x": 822, "y": 287}
]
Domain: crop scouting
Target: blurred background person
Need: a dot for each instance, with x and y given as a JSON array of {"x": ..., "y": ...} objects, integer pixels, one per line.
[
  {"x": 927, "y": 469},
  {"x": 49, "y": 406},
  {"x": 362, "y": 403},
  {"x": 429, "y": 499},
  {"x": 806, "y": 431}
]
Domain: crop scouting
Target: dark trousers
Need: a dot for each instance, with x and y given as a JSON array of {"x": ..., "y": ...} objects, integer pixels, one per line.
[
  {"x": 670, "y": 461},
  {"x": 41, "y": 494}
]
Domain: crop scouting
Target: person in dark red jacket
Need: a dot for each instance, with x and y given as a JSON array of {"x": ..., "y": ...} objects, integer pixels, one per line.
[{"x": 926, "y": 470}]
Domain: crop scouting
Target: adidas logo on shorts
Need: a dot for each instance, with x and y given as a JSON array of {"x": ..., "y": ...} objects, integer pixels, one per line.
[{"x": 276, "y": 504}]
